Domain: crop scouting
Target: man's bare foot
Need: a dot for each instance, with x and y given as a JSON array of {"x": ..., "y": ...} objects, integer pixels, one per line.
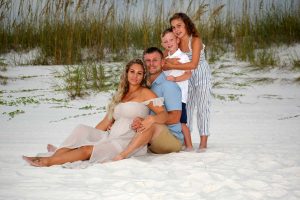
[
  {"x": 36, "y": 161},
  {"x": 51, "y": 148}
]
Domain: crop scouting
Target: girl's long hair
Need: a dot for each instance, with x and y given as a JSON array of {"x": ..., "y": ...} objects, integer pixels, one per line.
[
  {"x": 189, "y": 25},
  {"x": 124, "y": 86}
]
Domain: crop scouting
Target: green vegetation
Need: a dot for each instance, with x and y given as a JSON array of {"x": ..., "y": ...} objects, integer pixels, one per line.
[
  {"x": 89, "y": 107},
  {"x": 296, "y": 64},
  {"x": 23, "y": 90},
  {"x": 27, "y": 77},
  {"x": 20, "y": 101},
  {"x": 80, "y": 78},
  {"x": 55, "y": 100},
  {"x": 295, "y": 58},
  {"x": 264, "y": 80},
  {"x": 271, "y": 96},
  {"x": 297, "y": 80},
  {"x": 227, "y": 97},
  {"x": 3, "y": 68},
  {"x": 239, "y": 74},
  {"x": 265, "y": 58},
  {"x": 63, "y": 29},
  {"x": 13, "y": 113},
  {"x": 2, "y": 65},
  {"x": 3, "y": 80},
  {"x": 241, "y": 85}
]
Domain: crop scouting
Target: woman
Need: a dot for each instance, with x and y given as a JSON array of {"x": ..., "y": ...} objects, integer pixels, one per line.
[
  {"x": 112, "y": 135},
  {"x": 199, "y": 94}
]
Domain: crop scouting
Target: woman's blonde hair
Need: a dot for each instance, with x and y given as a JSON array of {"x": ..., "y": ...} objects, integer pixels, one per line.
[{"x": 124, "y": 86}]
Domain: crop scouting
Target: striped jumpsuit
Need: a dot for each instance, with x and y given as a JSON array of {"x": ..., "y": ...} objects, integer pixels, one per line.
[{"x": 199, "y": 94}]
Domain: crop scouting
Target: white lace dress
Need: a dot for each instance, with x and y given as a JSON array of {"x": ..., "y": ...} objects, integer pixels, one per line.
[{"x": 108, "y": 144}]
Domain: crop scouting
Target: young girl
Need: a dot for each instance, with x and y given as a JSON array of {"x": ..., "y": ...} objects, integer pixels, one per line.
[
  {"x": 112, "y": 135},
  {"x": 199, "y": 94}
]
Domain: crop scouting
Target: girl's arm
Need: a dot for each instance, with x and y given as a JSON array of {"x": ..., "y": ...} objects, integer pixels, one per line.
[
  {"x": 196, "y": 48},
  {"x": 187, "y": 74},
  {"x": 104, "y": 124}
]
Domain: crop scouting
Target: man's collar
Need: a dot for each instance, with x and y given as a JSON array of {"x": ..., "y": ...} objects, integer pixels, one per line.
[{"x": 159, "y": 79}]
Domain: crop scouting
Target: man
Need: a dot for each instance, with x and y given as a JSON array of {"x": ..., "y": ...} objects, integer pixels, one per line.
[{"x": 161, "y": 138}]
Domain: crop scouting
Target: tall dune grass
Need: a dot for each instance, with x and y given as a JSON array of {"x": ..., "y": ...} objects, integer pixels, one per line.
[{"x": 63, "y": 28}]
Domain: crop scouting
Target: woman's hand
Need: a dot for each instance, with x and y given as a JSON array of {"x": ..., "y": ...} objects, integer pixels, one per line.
[
  {"x": 118, "y": 157},
  {"x": 105, "y": 124},
  {"x": 110, "y": 125}
]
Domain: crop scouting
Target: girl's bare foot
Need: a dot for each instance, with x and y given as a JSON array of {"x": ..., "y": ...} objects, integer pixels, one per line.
[
  {"x": 203, "y": 142},
  {"x": 51, "y": 148},
  {"x": 201, "y": 150}
]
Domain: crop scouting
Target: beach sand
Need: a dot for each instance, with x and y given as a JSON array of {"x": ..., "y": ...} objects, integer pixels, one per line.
[{"x": 253, "y": 150}]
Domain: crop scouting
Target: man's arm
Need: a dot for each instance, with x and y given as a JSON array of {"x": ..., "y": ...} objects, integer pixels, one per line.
[
  {"x": 173, "y": 117},
  {"x": 172, "y": 97}
]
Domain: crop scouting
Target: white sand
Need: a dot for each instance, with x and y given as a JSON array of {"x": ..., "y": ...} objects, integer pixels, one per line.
[{"x": 253, "y": 148}]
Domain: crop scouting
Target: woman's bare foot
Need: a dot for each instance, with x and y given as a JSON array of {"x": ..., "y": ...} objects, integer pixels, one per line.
[
  {"x": 29, "y": 160},
  {"x": 51, "y": 148},
  {"x": 36, "y": 161},
  {"x": 119, "y": 157}
]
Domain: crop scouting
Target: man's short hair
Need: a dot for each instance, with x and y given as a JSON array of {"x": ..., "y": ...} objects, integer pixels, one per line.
[{"x": 152, "y": 50}]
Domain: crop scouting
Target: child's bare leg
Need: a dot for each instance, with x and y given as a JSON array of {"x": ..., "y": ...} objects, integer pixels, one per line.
[
  {"x": 203, "y": 142},
  {"x": 187, "y": 137}
]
